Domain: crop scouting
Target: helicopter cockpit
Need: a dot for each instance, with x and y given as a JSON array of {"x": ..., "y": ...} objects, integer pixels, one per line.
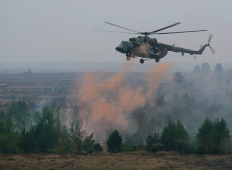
[{"x": 124, "y": 46}]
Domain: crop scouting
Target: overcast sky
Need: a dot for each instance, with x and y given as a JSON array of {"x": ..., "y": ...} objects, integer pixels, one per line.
[{"x": 55, "y": 30}]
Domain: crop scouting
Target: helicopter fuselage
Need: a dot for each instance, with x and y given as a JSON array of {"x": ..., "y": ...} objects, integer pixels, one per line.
[
  {"x": 147, "y": 47},
  {"x": 144, "y": 47}
]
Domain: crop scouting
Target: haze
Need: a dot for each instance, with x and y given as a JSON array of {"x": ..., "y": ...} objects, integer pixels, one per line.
[{"x": 49, "y": 31}]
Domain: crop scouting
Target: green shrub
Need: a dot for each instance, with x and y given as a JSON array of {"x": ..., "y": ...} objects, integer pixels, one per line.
[
  {"x": 89, "y": 149},
  {"x": 76, "y": 135},
  {"x": 181, "y": 146},
  {"x": 97, "y": 147},
  {"x": 128, "y": 144},
  {"x": 88, "y": 144},
  {"x": 9, "y": 143},
  {"x": 129, "y": 148},
  {"x": 133, "y": 148},
  {"x": 150, "y": 140},
  {"x": 65, "y": 144},
  {"x": 157, "y": 147}
]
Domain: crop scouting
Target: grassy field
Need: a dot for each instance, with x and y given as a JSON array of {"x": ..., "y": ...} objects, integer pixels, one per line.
[{"x": 135, "y": 160}]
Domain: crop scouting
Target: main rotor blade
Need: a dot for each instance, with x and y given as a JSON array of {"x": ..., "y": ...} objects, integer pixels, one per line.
[
  {"x": 121, "y": 27},
  {"x": 210, "y": 37},
  {"x": 180, "y": 32},
  {"x": 113, "y": 31},
  {"x": 164, "y": 28}
]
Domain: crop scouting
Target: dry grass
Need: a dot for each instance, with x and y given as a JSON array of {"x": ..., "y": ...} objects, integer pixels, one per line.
[{"x": 136, "y": 160}]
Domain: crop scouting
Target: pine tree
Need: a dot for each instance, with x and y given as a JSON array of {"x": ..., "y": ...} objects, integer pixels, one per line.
[
  {"x": 8, "y": 136},
  {"x": 46, "y": 133},
  {"x": 205, "y": 68},
  {"x": 20, "y": 113},
  {"x": 168, "y": 136},
  {"x": 178, "y": 78},
  {"x": 174, "y": 137},
  {"x": 205, "y": 136},
  {"x": 76, "y": 135},
  {"x": 88, "y": 144},
  {"x": 218, "y": 68},
  {"x": 213, "y": 136},
  {"x": 114, "y": 142},
  {"x": 222, "y": 136}
]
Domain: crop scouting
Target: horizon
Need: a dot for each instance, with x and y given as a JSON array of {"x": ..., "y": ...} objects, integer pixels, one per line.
[{"x": 85, "y": 66}]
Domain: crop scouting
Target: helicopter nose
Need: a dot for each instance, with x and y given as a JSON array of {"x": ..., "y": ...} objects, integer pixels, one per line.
[{"x": 119, "y": 49}]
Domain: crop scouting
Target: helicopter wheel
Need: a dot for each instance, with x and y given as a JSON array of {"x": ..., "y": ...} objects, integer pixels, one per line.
[
  {"x": 128, "y": 58},
  {"x": 157, "y": 60},
  {"x": 141, "y": 61},
  {"x": 128, "y": 54}
]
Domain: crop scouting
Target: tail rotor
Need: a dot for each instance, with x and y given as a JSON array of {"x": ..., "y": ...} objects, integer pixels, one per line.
[{"x": 209, "y": 40}]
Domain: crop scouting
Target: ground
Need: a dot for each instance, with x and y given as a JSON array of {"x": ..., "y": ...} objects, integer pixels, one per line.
[{"x": 133, "y": 160}]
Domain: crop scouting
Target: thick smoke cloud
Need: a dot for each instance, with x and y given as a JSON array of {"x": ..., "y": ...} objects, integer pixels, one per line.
[{"x": 106, "y": 100}]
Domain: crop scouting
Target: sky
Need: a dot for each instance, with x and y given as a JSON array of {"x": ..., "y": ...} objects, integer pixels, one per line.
[{"x": 65, "y": 30}]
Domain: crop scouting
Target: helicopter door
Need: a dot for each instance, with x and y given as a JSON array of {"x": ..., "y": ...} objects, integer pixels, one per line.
[{"x": 155, "y": 51}]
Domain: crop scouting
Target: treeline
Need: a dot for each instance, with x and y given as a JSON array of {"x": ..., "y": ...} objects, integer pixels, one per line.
[
  {"x": 204, "y": 75},
  {"x": 20, "y": 132},
  {"x": 42, "y": 132},
  {"x": 213, "y": 137}
]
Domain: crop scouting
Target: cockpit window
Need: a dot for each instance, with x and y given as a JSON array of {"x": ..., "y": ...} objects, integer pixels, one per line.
[{"x": 125, "y": 44}]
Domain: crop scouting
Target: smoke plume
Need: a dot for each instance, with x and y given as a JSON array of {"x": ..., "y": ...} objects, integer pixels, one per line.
[{"x": 106, "y": 100}]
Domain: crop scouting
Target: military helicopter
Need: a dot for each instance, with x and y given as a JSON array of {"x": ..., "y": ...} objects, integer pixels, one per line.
[{"x": 149, "y": 48}]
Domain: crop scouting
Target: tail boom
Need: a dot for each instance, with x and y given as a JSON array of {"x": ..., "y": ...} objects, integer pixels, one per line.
[{"x": 202, "y": 49}]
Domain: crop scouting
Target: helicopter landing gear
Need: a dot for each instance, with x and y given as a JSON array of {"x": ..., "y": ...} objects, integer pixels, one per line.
[
  {"x": 157, "y": 60},
  {"x": 141, "y": 61},
  {"x": 128, "y": 54}
]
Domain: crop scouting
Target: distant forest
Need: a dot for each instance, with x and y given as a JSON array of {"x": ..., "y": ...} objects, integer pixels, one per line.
[{"x": 81, "y": 66}]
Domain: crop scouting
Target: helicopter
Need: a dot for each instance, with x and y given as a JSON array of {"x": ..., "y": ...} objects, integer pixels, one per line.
[{"x": 149, "y": 48}]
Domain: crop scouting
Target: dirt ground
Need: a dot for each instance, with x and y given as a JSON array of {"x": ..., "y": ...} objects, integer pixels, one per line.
[{"x": 135, "y": 160}]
